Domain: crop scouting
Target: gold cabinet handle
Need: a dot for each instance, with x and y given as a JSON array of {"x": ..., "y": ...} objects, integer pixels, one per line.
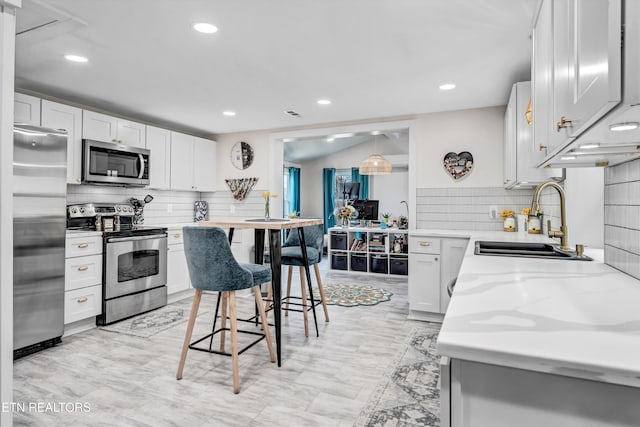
[
  {"x": 176, "y": 235},
  {"x": 83, "y": 245},
  {"x": 83, "y": 268},
  {"x": 563, "y": 123},
  {"x": 425, "y": 243},
  {"x": 78, "y": 180},
  {"x": 82, "y": 299},
  {"x": 435, "y": 259}
]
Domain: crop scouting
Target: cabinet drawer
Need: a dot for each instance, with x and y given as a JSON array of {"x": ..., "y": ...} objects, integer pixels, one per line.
[
  {"x": 81, "y": 272},
  {"x": 81, "y": 246},
  {"x": 424, "y": 245},
  {"x": 175, "y": 236},
  {"x": 82, "y": 303}
]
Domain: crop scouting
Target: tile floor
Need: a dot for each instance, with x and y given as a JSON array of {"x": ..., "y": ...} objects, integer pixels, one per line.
[{"x": 130, "y": 381}]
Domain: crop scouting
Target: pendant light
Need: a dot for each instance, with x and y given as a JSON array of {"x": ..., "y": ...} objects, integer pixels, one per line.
[{"x": 375, "y": 164}]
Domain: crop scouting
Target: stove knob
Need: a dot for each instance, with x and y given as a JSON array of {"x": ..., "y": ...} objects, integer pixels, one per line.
[
  {"x": 81, "y": 210},
  {"x": 118, "y": 208},
  {"x": 74, "y": 210}
]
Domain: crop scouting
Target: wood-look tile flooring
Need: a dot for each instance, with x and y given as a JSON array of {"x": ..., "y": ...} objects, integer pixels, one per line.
[{"x": 130, "y": 381}]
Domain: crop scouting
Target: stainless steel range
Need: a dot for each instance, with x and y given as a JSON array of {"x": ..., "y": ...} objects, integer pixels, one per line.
[{"x": 134, "y": 259}]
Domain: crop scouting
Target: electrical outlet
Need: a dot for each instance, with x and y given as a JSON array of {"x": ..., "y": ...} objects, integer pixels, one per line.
[
  {"x": 232, "y": 209},
  {"x": 493, "y": 212},
  {"x": 169, "y": 208}
]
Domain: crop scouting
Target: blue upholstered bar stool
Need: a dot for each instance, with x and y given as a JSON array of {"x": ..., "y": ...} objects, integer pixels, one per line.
[
  {"x": 212, "y": 267},
  {"x": 292, "y": 256}
]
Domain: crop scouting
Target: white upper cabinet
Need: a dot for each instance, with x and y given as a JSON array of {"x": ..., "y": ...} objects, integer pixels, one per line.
[
  {"x": 159, "y": 143},
  {"x": 102, "y": 127},
  {"x": 26, "y": 109},
  {"x": 61, "y": 116},
  {"x": 193, "y": 162},
  {"x": 521, "y": 152},
  {"x": 204, "y": 164},
  {"x": 582, "y": 65}
]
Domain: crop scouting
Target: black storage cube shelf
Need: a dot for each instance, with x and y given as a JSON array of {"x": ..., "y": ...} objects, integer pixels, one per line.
[
  {"x": 339, "y": 261},
  {"x": 358, "y": 262},
  {"x": 378, "y": 264},
  {"x": 399, "y": 265},
  {"x": 339, "y": 241}
]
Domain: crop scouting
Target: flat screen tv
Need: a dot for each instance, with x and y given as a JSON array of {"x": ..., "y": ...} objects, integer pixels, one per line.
[{"x": 367, "y": 209}]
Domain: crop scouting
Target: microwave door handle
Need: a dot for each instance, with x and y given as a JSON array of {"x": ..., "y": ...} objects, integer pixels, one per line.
[{"x": 140, "y": 175}]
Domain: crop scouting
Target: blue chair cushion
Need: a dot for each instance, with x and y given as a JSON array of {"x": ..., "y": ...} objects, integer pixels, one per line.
[
  {"x": 261, "y": 274},
  {"x": 292, "y": 255}
]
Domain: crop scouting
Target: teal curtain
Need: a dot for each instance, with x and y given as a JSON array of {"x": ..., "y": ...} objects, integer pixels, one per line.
[
  {"x": 294, "y": 190},
  {"x": 328, "y": 186},
  {"x": 363, "y": 180}
]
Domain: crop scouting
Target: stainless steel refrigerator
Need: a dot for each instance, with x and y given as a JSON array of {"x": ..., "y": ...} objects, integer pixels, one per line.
[{"x": 39, "y": 222}]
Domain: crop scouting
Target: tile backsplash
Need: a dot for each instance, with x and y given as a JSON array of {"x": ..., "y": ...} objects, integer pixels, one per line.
[{"x": 622, "y": 217}]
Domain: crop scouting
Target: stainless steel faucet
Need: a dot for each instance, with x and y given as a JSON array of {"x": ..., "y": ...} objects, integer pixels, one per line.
[{"x": 563, "y": 233}]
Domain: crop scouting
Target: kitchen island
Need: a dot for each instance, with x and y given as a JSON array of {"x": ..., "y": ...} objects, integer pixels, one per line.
[{"x": 532, "y": 342}]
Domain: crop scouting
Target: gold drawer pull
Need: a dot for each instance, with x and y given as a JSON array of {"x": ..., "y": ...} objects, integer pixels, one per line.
[
  {"x": 82, "y": 299},
  {"x": 83, "y": 268},
  {"x": 177, "y": 235},
  {"x": 83, "y": 245},
  {"x": 425, "y": 243},
  {"x": 563, "y": 123}
]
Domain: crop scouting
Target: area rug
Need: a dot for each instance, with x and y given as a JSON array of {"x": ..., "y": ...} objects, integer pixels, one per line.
[
  {"x": 148, "y": 324},
  {"x": 353, "y": 294},
  {"x": 408, "y": 394}
]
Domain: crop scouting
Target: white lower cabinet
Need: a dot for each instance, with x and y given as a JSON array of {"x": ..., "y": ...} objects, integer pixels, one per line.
[
  {"x": 83, "y": 278},
  {"x": 177, "y": 271},
  {"x": 433, "y": 263}
]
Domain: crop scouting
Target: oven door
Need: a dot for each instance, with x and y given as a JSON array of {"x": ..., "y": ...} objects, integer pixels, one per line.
[
  {"x": 134, "y": 264},
  {"x": 107, "y": 163}
]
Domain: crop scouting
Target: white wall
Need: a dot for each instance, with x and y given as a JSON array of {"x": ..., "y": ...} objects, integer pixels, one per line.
[
  {"x": 584, "y": 188},
  {"x": 260, "y": 167},
  {"x": 479, "y": 131},
  {"x": 390, "y": 190}
]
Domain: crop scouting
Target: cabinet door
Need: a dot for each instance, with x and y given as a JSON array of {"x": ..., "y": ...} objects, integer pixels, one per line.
[
  {"x": 131, "y": 133},
  {"x": 177, "y": 271},
  {"x": 424, "y": 282},
  {"x": 453, "y": 251},
  {"x": 587, "y": 62},
  {"x": 159, "y": 143},
  {"x": 181, "y": 161},
  {"x": 99, "y": 127},
  {"x": 542, "y": 77},
  {"x": 510, "y": 140},
  {"x": 61, "y": 116},
  {"x": 26, "y": 109},
  {"x": 204, "y": 164}
]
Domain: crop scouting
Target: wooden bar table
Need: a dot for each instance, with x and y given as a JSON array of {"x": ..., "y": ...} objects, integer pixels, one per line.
[{"x": 274, "y": 226}]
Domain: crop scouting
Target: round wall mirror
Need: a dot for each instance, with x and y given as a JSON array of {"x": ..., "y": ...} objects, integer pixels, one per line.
[{"x": 241, "y": 155}]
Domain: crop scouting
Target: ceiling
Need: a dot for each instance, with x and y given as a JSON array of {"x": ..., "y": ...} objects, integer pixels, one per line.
[{"x": 371, "y": 58}]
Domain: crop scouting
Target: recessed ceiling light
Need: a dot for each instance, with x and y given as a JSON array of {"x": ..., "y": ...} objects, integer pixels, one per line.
[
  {"x": 447, "y": 86},
  {"x": 343, "y": 135},
  {"x": 375, "y": 132},
  {"x": 324, "y": 101},
  {"x": 524, "y": 182},
  {"x": 330, "y": 139},
  {"x": 229, "y": 113},
  {"x": 75, "y": 58},
  {"x": 288, "y": 139},
  {"x": 590, "y": 146},
  {"x": 568, "y": 158},
  {"x": 619, "y": 127},
  {"x": 203, "y": 27}
]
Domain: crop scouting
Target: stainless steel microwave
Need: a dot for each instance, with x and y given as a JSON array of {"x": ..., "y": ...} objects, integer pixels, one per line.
[{"x": 114, "y": 164}]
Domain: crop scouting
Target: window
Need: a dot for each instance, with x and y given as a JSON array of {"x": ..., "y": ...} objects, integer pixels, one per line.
[
  {"x": 343, "y": 176},
  {"x": 286, "y": 203}
]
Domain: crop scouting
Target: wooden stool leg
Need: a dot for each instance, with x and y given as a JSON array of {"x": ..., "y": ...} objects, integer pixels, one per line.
[
  {"x": 223, "y": 319},
  {"x": 321, "y": 290},
  {"x": 263, "y": 319},
  {"x": 289, "y": 273},
  {"x": 303, "y": 286},
  {"x": 187, "y": 335},
  {"x": 234, "y": 341},
  {"x": 269, "y": 296}
]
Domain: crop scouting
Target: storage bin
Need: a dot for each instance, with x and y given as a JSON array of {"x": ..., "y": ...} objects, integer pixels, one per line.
[
  {"x": 358, "y": 262},
  {"x": 339, "y": 241},
  {"x": 339, "y": 261},
  {"x": 399, "y": 265},
  {"x": 378, "y": 264}
]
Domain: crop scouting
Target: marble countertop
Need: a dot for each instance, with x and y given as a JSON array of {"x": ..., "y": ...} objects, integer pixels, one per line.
[{"x": 572, "y": 318}]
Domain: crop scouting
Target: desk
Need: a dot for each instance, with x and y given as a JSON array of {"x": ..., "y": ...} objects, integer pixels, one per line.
[{"x": 275, "y": 227}]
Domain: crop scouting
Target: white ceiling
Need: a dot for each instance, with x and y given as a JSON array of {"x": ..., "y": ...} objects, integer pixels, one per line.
[{"x": 372, "y": 58}]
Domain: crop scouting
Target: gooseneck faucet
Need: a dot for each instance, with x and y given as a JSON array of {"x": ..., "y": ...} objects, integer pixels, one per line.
[{"x": 563, "y": 234}]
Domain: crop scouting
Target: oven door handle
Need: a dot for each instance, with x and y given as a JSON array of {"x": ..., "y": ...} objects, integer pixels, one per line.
[
  {"x": 141, "y": 174},
  {"x": 132, "y": 239}
]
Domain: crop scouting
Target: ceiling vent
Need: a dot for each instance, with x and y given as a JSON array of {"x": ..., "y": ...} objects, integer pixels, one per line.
[
  {"x": 38, "y": 21},
  {"x": 292, "y": 113}
]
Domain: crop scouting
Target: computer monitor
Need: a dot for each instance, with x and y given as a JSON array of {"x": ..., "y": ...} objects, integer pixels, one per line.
[
  {"x": 367, "y": 209},
  {"x": 351, "y": 190}
]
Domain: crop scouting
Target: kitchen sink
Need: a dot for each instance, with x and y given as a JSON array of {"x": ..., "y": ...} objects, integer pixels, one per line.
[{"x": 526, "y": 250}]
